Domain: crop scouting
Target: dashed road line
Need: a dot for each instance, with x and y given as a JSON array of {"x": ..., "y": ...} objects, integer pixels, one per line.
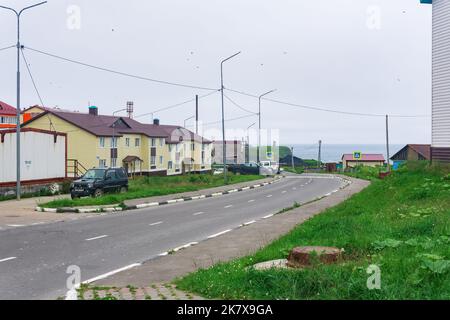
[
  {"x": 8, "y": 259},
  {"x": 249, "y": 201},
  {"x": 284, "y": 191},
  {"x": 106, "y": 275},
  {"x": 15, "y": 225},
  {"x": 96, "y": 238},
  {"x": 198, "y": 213},
  {"x": 269, "y": 196},
  {"x": 229, "y": 206},
  {"x": 249, "y": 223},
  {"x": 268, "y": 216},
  {"x": 155, "y": 223}
]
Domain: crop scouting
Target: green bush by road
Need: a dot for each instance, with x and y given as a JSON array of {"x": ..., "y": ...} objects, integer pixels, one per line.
[
  {"x": 401, "y": 224},
  {"x": 155, "y": 186}
]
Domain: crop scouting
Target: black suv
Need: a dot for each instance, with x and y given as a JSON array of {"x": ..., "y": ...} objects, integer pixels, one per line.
[{"x": 96, "y": 182}]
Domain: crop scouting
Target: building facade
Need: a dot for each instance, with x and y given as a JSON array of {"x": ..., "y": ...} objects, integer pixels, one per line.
[
  {"x": 105, "y": 141},
  {"x": 440, "y": 148},
  {"x": 8, "y": 116},
  {"x": 367, "y": 160}
]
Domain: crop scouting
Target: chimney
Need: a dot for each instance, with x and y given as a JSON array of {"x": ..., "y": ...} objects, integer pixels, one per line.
[
  {"x": 130, "y": 108},
  {"x": 156, "y": 122},
  {"x": 93, "y": 111}
]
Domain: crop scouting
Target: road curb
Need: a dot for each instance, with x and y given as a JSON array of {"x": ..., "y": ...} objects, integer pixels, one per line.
[{"x": 153, "y": 204}]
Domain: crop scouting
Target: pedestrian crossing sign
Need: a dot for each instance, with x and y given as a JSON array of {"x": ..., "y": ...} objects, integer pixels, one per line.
[{"x": 357, "y": 155}]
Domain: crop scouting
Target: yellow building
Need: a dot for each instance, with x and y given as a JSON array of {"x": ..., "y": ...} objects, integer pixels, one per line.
[{"x": 105, "y": 141}]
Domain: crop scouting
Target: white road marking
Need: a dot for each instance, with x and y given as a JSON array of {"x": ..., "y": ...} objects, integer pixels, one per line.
[
  {"x": 251, "y": 201},
  {"x": 96, "y": 238},
  {"x": 229, "y": 206},
  {"x": 155, "y": 223},
  {"x": 268, "y": 216},
  {"x": 8, "y": 259},
  {"x": 163, "y": 254},
  {"x": 198, "y": 213},
  {"x": 269, "y": 196},
  {"x": 249, "y": 223},
  {"x": 106, "y": 275},
  {"x": 294, "y": 188},
  {"x": 219, "y": 234},
  {"x": 283, "y": 191},
  {"x": 185, "y": 246},
  {"x": 15, "y": 225}
]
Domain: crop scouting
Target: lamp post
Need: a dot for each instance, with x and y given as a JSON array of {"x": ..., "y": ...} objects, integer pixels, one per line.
[
  {"x": 248, "y": 142},
  {"x": 224, "y": 150},
  {"x": 259, "y": 119},
  {"x": 113, "y": 141},
  {"x": 18, "y": 15}
]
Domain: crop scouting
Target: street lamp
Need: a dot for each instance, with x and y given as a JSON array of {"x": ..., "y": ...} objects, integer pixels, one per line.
[
  {"x": 113, "y": 142},
  {"x": 259, "y": 120},
  {"x": 224, "y": 147},
  {"x": 18, "y": 14},
  {"x": 248, "y": 142}
]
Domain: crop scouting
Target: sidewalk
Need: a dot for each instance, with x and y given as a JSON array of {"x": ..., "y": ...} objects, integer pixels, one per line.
[{"x": 238, "y": 243}]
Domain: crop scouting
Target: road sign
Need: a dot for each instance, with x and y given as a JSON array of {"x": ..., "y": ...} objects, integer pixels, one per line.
[{"x": 357, "y": 155}]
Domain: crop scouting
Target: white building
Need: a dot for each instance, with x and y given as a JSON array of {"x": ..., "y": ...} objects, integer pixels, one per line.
[
  {"x": 43, "y": 157},
  {"x": 440, "y": 148}
]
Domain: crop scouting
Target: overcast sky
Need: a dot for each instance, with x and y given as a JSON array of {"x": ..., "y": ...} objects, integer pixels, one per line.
[{"x": 349, "y": 55}]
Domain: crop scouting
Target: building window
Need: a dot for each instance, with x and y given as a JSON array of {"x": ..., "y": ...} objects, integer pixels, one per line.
[
  {"x": 170, "y": 148},
  {"x": 170, "y": 165},
  {"x": 127, "y": 142},
  {"x": 102, "y": 163},
  {"x": 153, "y": 142},
  {"x": 137, "y": 142},
  {"x": 113, "y": 163},
  {"x": 161, "y": 159},
  {"x": 102, "y": 142},
  {"x": 203, "y": 157},
  {"x": 193, "y": 146},
  {"x": 153, "y": 160},
  {"x": 161, "y": 142}
]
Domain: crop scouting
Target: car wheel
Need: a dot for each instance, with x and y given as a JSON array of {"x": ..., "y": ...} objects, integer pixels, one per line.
[
  {"x": 98, "y": 193},
  {"x": 123, "y": 190},
  {"x": 73, "y": 196}
]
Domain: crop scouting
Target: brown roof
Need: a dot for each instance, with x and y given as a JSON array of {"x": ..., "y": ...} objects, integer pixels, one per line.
[
  {"x": 102, "y": 126},
  {"x": 423, "y": 149}
]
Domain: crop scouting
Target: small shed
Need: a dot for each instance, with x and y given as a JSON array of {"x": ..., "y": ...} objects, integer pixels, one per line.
[{"x": 412, "y": 152}]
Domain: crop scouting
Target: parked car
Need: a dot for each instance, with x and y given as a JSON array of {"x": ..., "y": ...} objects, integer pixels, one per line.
[
  {"x": 96, "y": 182},
  {"x": 246, "y": 168}
]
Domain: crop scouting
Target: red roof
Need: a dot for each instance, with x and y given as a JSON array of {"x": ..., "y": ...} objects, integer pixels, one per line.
[
  {"x": 6, "y": 109},
  {"x": 365, "y": 157}
]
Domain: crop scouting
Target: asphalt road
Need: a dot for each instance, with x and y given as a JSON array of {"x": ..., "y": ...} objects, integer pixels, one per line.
[{"x": 34, "y": 259}]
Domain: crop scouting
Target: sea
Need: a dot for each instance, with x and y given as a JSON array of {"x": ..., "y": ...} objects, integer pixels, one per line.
[{"x": 334, "y": 152}]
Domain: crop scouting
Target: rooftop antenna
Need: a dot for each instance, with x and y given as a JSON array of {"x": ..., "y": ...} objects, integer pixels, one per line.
[{"x": 130, "y": 108}]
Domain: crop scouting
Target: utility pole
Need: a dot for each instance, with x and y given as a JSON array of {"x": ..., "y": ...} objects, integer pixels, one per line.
[
  {"x": 247, "y": 160},
  {"x": 19, "y": 47},
  {"x": 319, "y": 159},
  {"x": 196, "y": 113},
  {"x": 292, "y": 159},
  {"x": 224, "y": 147},
  {"x": 259, "y": 120},
  {"x": 387, "y": 143}
]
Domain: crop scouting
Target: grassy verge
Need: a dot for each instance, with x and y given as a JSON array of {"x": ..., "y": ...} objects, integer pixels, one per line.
[
  {"x": 400, "y": 224},
  {"x": 155, "y": 186}
]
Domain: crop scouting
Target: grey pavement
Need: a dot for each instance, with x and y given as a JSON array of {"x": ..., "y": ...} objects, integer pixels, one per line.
[{"x": 34, "y": 259}]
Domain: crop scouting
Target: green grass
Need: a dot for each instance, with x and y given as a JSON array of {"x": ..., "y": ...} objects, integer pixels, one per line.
[
  {"x": 296, "y": 169},
  {"x": 155, "y": 186},
  {"x": 401, "y": 224}
]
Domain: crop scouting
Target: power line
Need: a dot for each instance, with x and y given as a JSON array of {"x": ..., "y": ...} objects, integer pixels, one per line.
[
  {"x": 6, "y": 48},
  {"x": 176, "y": 105},
  {"x": 240, "y": 107},
  {"x": 122, "y": 73},
  {"x": 35, "y": 87},
  {"x": 326, "y": 109}
]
